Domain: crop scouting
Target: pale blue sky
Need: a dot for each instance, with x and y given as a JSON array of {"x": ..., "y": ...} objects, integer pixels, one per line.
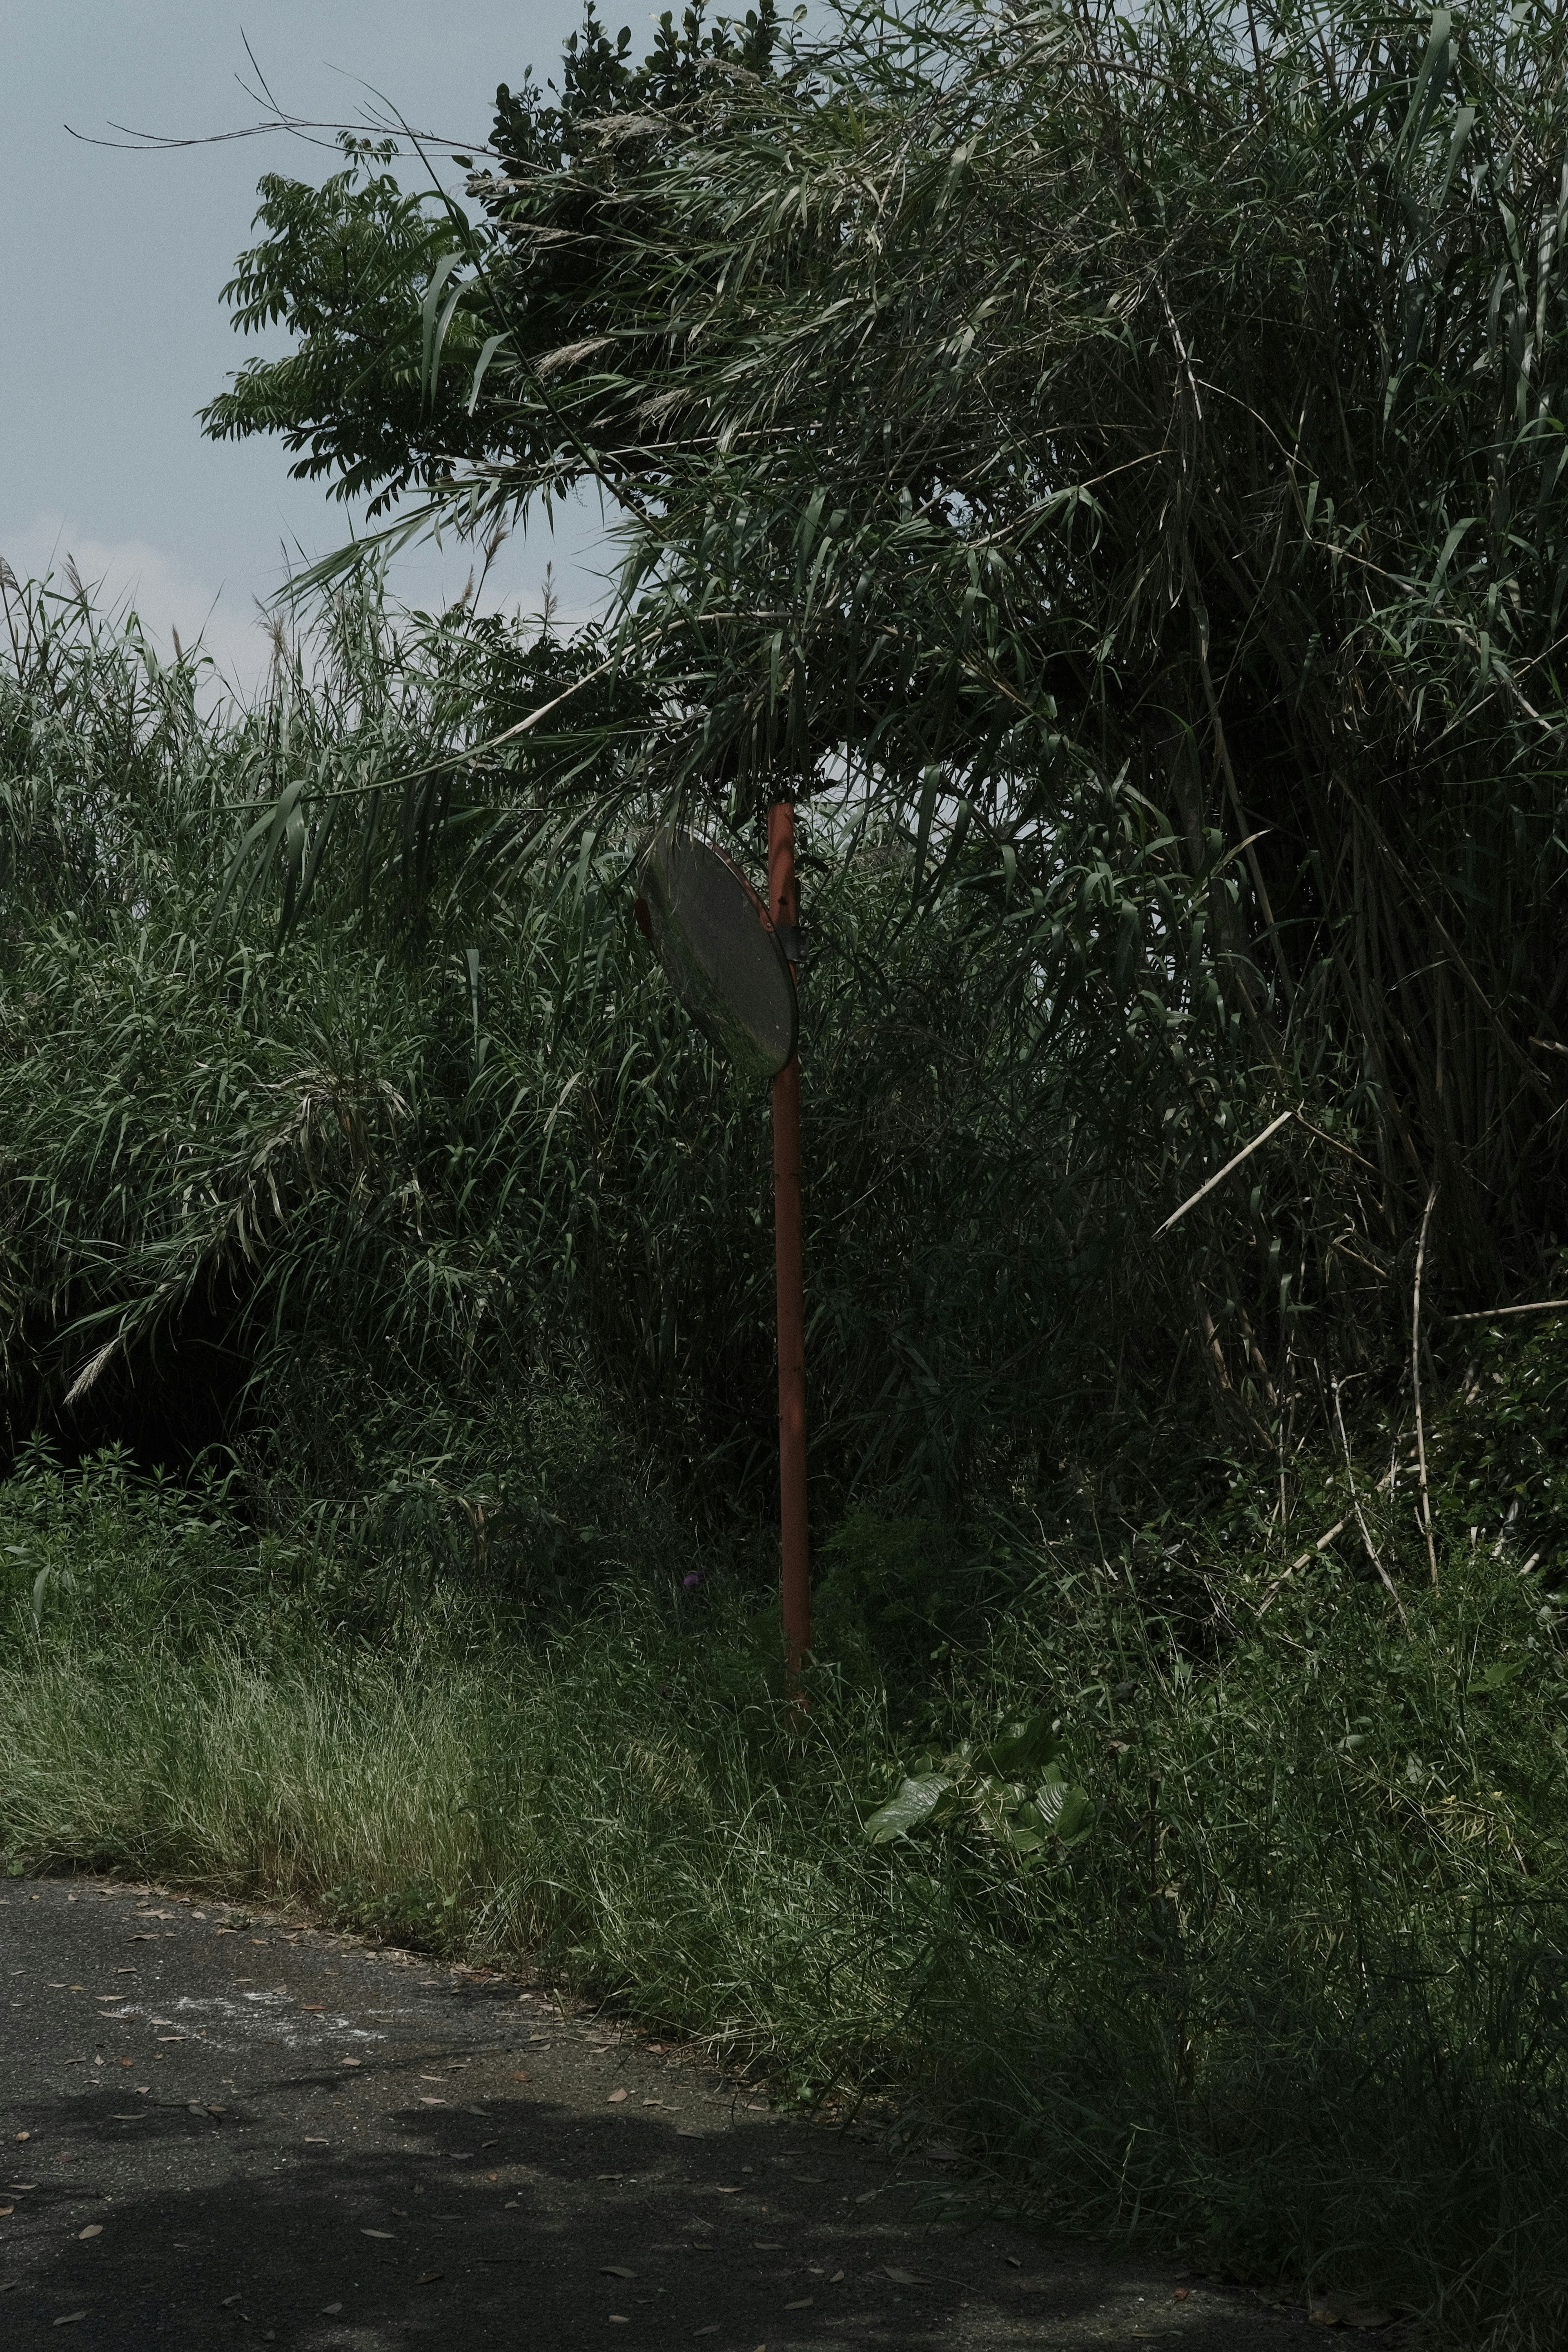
[{"x": 111, "y": 267}]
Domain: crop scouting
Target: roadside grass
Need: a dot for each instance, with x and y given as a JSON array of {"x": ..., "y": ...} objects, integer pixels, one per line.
[{"x": 1296, "y": 2008}]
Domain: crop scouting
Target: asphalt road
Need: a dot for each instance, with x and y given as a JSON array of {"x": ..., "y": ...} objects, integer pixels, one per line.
[{"x": 218, "y": 2128}]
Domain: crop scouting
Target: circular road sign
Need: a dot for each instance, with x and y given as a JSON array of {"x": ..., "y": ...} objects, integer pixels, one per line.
[{"x": 711, "y": 931}]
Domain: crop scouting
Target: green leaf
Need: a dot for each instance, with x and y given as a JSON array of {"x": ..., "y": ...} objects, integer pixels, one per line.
[
  {"x": 492, "y": 345},
  {"x": 1076, "y": 1818},
  {"x": 930, "y": 787},
  {"x": 433, "y": 335},
  {"x": 1066, "y": 1809},
  {"x": 913, "y": 1804},
  {"x": 1025, "y": 1747}
]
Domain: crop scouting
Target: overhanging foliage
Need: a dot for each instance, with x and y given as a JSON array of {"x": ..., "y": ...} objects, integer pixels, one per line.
[{"x": 1128, "y": 450}]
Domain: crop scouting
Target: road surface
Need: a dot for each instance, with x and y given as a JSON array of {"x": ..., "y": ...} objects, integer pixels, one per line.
[{"x": 223, "y": 2128}]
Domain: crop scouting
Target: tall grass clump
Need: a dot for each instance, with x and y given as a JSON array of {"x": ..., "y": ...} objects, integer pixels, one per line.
[
  {"x": 1294, "y": 2007},
  {"x": 397, "y": 1194}
]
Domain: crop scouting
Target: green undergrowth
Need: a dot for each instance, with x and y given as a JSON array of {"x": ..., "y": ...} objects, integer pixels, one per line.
[{"x": 1295, "y": 2006}]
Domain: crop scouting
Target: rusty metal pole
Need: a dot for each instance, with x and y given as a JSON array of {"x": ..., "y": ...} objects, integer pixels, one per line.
[{"x": 783, "y": 906}]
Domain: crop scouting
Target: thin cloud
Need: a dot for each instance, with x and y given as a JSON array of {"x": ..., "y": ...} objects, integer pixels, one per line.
[{"x": 172, "y": 603}]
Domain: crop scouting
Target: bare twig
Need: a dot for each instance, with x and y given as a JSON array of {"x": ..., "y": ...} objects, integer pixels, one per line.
[
  {"x": 1533, "y": 1306},
  {"x": 1383, "y": 1487},
  {"x": 1321, "y": 1545},
  {"x": 1245, "y": 1153},
  {"x": 1415, "y": 1384},
  {"x": 1323, "y": 1138},
  {"x": 1372, "y": 1551}
]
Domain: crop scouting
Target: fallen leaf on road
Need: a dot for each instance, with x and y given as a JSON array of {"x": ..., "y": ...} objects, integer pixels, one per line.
[
  {"x": 66, "y": 2317},
  {"x": 1181, "y": 2294},
  {"x": 329, "y": 2310},
  {"x": 901, "y": 2278},
  {"x": 1343, "y": 2308},
  {"x": 174, "y": 2037},
  {"x": 705, "y": 2331},
  {"x": 619, "y": 2319},
  {"x": 615, "y": 2270},
  {"x": 351, "y": 2061},
  {"x": 5, "y": 2210},
  {"x": 312, "y": 2008},
  {"x": 93, "y": 2230},
  {"x": 24, "y": 2135},
  {"x": 804, "y": 2303},
  {"x": 430, "y": 2103},
  {"x": 310, "y": 2142},
  {"x": 519, "y": 2078},
  {"x": 617, "y": 2097},
  {"x": 429, "y": 2278},
  {"x": 837, "y": 2278},
  {"x": 378, "y": 2233}
]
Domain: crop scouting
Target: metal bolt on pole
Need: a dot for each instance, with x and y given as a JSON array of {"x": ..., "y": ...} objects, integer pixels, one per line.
[{"x": 783, "y": 906}]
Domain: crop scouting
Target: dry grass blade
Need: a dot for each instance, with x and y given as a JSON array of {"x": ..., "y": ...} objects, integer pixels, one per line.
[{"x": 1415, "y": 1383}]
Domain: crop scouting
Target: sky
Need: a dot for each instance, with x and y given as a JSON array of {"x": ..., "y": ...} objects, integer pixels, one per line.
[{"x": 111, "y": 275}]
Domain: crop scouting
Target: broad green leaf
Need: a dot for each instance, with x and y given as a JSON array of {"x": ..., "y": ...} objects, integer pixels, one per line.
[
  {"x": 1025, "y": 1747},
  {"x": 1066, "y": 1809},
  {"x": 912, "y": 1804}
]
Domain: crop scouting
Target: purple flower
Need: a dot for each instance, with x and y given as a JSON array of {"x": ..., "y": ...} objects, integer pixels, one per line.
[{"x": 693, "y": 1580}]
